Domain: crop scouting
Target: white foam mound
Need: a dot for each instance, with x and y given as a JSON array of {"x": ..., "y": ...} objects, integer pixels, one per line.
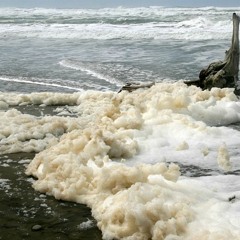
[{"x": 116, "y": 158}]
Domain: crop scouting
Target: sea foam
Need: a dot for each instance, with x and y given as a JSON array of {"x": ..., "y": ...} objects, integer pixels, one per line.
[{"x": 120, "y": 157}]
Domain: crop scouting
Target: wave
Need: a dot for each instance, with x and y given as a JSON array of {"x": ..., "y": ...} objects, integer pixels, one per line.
[
  {"x": 185, "y": 30},
  {"x": 106, "y": 15},
  {"x": 118, "y": 23},
  {"x": 94, "y": 69},
  {"x": 38, "y": 81},
  {"x": 117, "y": 73}
]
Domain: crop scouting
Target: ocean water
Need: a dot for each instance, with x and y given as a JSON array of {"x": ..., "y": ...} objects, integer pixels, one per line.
[
  {"x": 79, "y": 160},
  {"x": 79, "y": 49}
]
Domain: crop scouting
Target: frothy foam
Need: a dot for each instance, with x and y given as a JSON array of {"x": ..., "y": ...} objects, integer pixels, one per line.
[{"x": 115, "y": 157}]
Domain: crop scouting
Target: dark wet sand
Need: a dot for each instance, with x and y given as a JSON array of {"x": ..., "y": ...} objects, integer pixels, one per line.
[
  {"x": 22, "y": 208},
  {"x": 28, "y": 214}
]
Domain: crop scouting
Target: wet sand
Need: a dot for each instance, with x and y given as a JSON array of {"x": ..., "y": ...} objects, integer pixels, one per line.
[{"x": 27, "y": 214}]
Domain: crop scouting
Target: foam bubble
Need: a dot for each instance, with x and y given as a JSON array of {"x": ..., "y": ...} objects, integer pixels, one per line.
[{"x": 86, "y": 225}]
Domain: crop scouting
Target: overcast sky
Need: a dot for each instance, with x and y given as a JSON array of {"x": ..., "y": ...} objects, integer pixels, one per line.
[{"x": 116, "y": 3}]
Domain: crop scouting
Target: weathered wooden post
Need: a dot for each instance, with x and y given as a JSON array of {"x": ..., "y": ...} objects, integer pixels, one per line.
[{"x": 223, "y": 73}]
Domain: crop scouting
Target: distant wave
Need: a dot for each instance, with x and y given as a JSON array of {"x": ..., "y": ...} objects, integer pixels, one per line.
[
  {"x": 107, "y": 15},
  {"x": 118, "y": 23},
  {"x": 185, "y": 30}
]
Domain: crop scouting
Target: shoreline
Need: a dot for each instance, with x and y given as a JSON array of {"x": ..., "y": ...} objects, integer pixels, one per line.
[
  {"x": 26, "y": 213},
  {"x": 22, "y": 208}
]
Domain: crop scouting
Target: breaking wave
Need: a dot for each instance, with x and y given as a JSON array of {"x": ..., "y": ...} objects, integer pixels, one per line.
[{"x": 118, "y": 23}]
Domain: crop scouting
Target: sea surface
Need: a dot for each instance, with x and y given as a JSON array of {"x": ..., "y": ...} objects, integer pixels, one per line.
[
  {"x": 158, "y": 163},
  {"x": 67, "y": 50}
]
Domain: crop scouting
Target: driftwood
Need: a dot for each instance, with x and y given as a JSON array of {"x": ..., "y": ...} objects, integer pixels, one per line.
[
  {"x": 135, "y": 85},
  {"x": 222, "y": 73}
]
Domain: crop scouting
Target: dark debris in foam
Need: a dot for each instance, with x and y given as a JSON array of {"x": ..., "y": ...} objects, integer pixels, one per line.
[
  {"x": 27, "y": 214},
  {"x": 196, "y": 171},
  {"x": 37, "y": 110},
  {"x": 235, "y": 126},
  {"x": 48, "y": 110}
]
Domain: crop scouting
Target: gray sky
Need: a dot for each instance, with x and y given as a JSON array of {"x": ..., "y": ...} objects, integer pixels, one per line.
[{"x": 116, "y": 3}]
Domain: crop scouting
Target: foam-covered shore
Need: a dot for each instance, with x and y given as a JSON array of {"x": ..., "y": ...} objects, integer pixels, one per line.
[{"x": 118, "y": 154}]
